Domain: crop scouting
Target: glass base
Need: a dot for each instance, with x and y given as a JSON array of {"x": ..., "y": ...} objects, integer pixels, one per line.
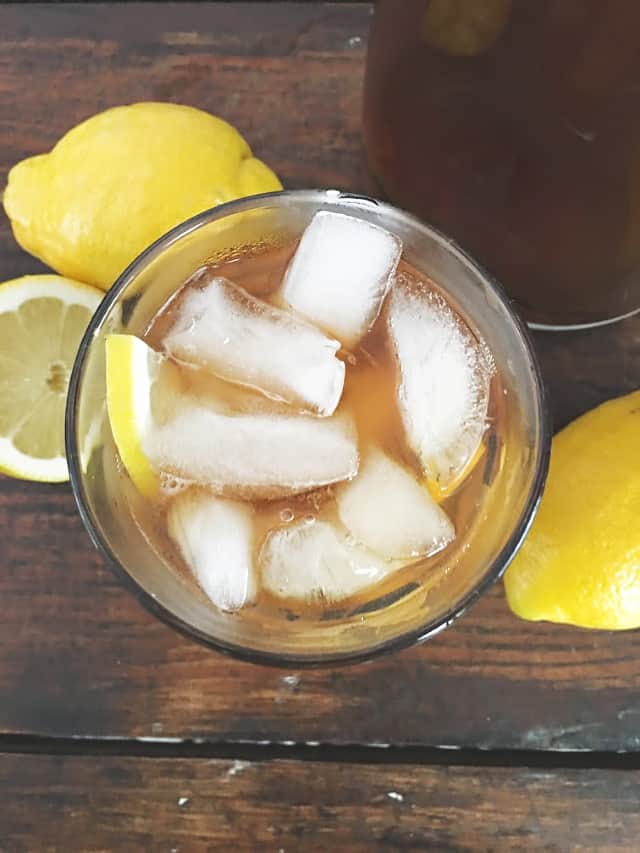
[{"x": 575, "y": 327}]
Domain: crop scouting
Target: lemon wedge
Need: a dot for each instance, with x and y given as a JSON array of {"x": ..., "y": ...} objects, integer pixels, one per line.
[
  {"x": 132, "y": 368},
  {"x": 42, "y": 319}
]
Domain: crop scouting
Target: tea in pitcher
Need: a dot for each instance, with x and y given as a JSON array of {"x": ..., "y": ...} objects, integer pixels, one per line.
[{"x": 514, "y": 127}]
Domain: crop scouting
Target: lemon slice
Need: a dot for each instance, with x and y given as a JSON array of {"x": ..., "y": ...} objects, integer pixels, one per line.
[
  {"x": 132, "y": 370},
  {"x": 42, "y": 319},
  {"x": 439, "y": 492}
]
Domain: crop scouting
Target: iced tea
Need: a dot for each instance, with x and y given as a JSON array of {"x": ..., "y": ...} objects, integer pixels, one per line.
[{"x": 325, "y": 432}]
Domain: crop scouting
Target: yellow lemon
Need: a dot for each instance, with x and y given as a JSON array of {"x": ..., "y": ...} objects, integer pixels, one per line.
[
  {"x": 42, "y": 319},
  {"x": 465, "y": 27},
  {"x": 132, "y": 370},
  {"x": 118, "y": 181},
  {"x": 581, "y": 561}
]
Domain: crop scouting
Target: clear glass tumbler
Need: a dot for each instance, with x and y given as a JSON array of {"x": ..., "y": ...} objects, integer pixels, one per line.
[{"x": 410, "y": 613}]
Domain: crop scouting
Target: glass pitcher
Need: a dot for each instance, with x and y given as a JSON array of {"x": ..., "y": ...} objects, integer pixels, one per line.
[{"x": 514, "y": 126}]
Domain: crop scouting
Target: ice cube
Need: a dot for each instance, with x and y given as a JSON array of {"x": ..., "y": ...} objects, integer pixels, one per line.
[
  {"x": 317, "y": 562},
  {"x": 340, "y": 274},
  {"x": 444, "y": 376},
  {"x": 216, "y": 539},
  {"x": 385, "y": 509},
  {"x": 242, "y": 339},
  {"x": 255, "y": 455}
]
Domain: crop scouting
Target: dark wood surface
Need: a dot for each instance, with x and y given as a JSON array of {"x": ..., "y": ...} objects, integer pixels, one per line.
[
  {"x": 79, "y": 657},
  {"x": 88, "y": 803},
  {"x": 77, "y": 654}
]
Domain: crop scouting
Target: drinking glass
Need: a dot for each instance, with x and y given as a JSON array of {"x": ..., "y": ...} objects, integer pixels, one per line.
[{"x": 514, "y": 469}]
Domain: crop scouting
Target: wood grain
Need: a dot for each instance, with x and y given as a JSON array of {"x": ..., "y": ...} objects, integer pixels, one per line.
[
  {"x": 67, "y": 803},
  {"x": 78, "y": 655}
]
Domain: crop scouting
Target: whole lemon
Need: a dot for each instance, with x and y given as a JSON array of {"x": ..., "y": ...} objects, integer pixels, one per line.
[
  {"x": 463, "y": 28},
  {"x": 581, "y": 561},
  {"x": 118, "y": 181}
]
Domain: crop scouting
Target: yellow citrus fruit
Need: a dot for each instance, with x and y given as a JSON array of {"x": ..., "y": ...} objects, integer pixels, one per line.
[
  {"x": 42, "y": 319},
  {"x": 581, "y": 561},
  {"x": 132, "y": 369},
  {"x": 465, "y": 27},
  {"x": 118, "y": 181}
]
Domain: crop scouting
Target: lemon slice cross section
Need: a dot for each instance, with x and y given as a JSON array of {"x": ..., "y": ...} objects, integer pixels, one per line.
[{"x": 42, "y": 320}]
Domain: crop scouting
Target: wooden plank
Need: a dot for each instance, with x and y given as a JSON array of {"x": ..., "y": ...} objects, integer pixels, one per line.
[
  {"x": 78, "y": 656},
  {"x": 67, "y": 803}
]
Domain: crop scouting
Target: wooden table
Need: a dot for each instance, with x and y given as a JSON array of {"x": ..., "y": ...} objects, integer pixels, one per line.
[{"x": 116, "y": 732}]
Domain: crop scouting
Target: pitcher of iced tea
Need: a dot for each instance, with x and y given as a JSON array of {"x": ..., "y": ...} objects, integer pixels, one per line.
[{"x": 514, "y": 127}]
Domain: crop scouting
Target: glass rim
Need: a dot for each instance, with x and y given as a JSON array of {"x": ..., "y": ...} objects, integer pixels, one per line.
[{"x": 431, "y": 626}]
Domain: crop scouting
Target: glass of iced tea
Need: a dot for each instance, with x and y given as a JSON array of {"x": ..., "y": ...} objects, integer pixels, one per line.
[
  {"x": 514, "y": 126},
  {"x": 306, "y": 428}
]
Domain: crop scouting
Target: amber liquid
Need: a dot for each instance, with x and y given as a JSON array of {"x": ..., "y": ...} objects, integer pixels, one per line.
[
  {"x": 370, "y": 393},
  {"x": 514, "y": 127}
]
